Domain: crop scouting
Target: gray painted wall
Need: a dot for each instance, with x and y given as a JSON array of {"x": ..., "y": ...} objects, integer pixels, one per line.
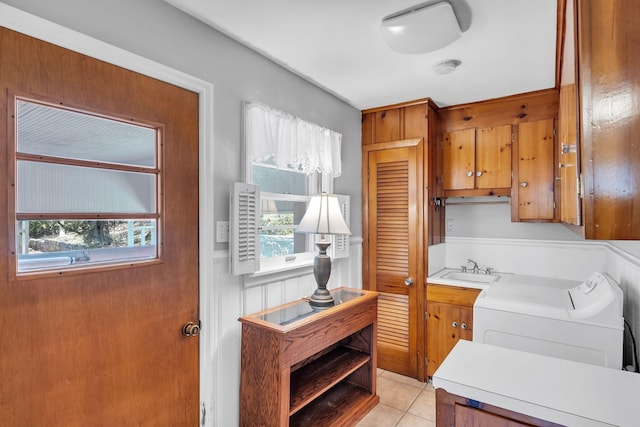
[{"x": 156, "y": 30}]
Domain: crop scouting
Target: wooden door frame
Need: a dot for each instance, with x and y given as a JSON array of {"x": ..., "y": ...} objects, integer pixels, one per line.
[{"x": 31, "y": 25}]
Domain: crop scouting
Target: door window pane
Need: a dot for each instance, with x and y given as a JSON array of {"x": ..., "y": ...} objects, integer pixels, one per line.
[
  {"x": 50, "y": 187},
  {"x": 50, "y": 131},
  {"x": 86, "y": 189},
  {"x": 51, "y": 244}
]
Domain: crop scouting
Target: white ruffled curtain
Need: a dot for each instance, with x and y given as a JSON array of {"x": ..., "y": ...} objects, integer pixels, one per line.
[{"x": 292, "y": 143}]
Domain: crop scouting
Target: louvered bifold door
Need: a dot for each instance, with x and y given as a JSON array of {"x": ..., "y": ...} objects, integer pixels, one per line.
[{"x": 393, "y": 239}]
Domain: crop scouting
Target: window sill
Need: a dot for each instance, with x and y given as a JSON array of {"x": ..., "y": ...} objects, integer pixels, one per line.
[{"x": 279, "y": 272}]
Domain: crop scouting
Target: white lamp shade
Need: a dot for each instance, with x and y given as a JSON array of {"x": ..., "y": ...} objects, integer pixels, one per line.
[
  {"x": 422, "y": 29},
  {"x": 323, "y": 216}
]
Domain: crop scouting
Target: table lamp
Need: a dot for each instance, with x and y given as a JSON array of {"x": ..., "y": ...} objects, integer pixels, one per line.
[{"x": 323, "y": 216}]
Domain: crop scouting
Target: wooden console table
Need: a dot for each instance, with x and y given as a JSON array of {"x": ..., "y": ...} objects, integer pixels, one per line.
[{"x": 303, "y": 367}]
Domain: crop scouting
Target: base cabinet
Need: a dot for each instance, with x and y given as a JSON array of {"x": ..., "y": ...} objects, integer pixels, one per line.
[
  {"x": 453, "y": 410},
  {"x": 301, "y": 367},
  {"x": 449, "y": 319}
]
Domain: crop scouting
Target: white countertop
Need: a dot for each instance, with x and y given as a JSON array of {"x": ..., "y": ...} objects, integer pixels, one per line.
[{"x": 551, "y": 389}]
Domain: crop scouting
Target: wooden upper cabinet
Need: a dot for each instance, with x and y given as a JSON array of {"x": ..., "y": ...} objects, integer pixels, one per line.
[
  {"x": 568, "y": 153},
  {"x": 567, "y": 147},
  {"x": 609, "y": 117},
  {"x": 381, "y": 126},
  {"x": 477, "y": 162},
  {"x": 459, "y": 157},
  {"x": 534, "y": 180},
  {"x": 398, "y": 122},
  {"x": 493, "y": 157},
  {"x": 387, "y": 125},
  {"x": 416, "y": 121}
]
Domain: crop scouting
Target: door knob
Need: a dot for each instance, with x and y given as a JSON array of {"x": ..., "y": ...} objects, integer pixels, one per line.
[
  {"x": 523, "y": 184},
  {"x": 479, "y": 173},
  {"x": 454, "y": 324},
  {"x": 408, "y": 281},
  {"x": 463, "y": 326},
  {"x": 469, "y": 173},
  {"x": 191, "y": 329}
]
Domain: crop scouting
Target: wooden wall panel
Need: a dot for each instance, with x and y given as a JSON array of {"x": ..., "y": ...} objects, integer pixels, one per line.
[{"x": 501, "y": 111}]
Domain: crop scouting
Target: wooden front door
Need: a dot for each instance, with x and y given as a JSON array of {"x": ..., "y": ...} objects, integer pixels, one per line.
[
  {"x": 394, "y": 267},
  {"x": 103, "y": 346}
]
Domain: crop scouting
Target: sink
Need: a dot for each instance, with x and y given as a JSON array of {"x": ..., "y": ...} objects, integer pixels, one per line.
[{"x": 471, "y": 277}]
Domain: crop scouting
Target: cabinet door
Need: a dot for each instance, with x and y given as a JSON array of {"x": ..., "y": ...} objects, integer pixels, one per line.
[
  {"x": 387, "y": 125},
  {"x": 493, "y": 157},
  {"x": 610, "y": 118},
  {"x": 446, "y": 324},
  {"x": 535, "y": 171},
  {"x": 568, "y": 147},
  {"x": 459, "y": 151},
  {"x": 464, "y": 315},
  {"x": 441, "y": 337},
  {"x": 568, "y": 154}
]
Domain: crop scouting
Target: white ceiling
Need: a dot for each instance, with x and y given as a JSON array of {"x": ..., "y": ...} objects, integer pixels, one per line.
[{"x": 509, "y": 47}]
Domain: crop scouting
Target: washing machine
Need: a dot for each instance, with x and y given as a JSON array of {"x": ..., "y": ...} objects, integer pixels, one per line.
[{"x": 580, "y": 321}]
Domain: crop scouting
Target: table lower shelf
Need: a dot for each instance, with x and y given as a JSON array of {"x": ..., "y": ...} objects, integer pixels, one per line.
[
  {"x": 317, "y": 377},
  {"x": 342, "y": 405}
]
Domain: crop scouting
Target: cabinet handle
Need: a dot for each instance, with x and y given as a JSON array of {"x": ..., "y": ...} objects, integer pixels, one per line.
[
  {"x": 523, "y": 184},
  {"x": 479, "y": 173},
  {"x": 454, "y": 324},
  {"x": 408, "y": 281},
  {"x": 463, "y": 326},
  {"x": 469, "y": 173}
]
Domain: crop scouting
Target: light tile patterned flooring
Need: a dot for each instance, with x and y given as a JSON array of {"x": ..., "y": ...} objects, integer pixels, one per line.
[{"x": 404, "y": 402}]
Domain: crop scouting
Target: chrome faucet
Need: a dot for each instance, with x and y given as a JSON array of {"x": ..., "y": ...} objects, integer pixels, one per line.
[{"x": 476, "y": 269}]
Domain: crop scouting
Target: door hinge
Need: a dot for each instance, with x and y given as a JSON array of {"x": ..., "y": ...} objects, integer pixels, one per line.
[
  {"x": 579, "y": 186},
  {"x": 426, "y": 315}
]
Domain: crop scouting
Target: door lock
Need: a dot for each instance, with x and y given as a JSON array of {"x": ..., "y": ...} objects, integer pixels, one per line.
[{"x": 191, "y": 329}]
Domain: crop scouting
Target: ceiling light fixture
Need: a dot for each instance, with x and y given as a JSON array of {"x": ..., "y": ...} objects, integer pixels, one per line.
[{"x": 421, "y": 28}]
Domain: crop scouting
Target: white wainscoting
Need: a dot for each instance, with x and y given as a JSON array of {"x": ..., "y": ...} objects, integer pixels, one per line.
[{"x": 226, "y": 299}]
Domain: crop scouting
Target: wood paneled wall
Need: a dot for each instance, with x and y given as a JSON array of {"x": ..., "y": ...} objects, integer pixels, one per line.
[{"x": 512, "y": 110}]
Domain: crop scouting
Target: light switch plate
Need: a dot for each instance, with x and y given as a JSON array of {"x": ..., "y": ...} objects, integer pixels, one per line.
[{"x": 222, "y": 231}]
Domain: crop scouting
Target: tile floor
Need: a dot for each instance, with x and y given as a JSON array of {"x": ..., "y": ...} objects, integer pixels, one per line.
[{"x": 404, "y": 402}]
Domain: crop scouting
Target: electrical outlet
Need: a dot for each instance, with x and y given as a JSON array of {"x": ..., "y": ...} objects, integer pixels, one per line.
[
  {"x": 222, "y": 231},
  {"x": 450, "y": 225}
]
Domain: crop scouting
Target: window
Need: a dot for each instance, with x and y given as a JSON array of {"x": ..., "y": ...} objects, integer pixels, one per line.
[
  {"x": 86, "y": 189},
  {"x": 287, "y": 161}
]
